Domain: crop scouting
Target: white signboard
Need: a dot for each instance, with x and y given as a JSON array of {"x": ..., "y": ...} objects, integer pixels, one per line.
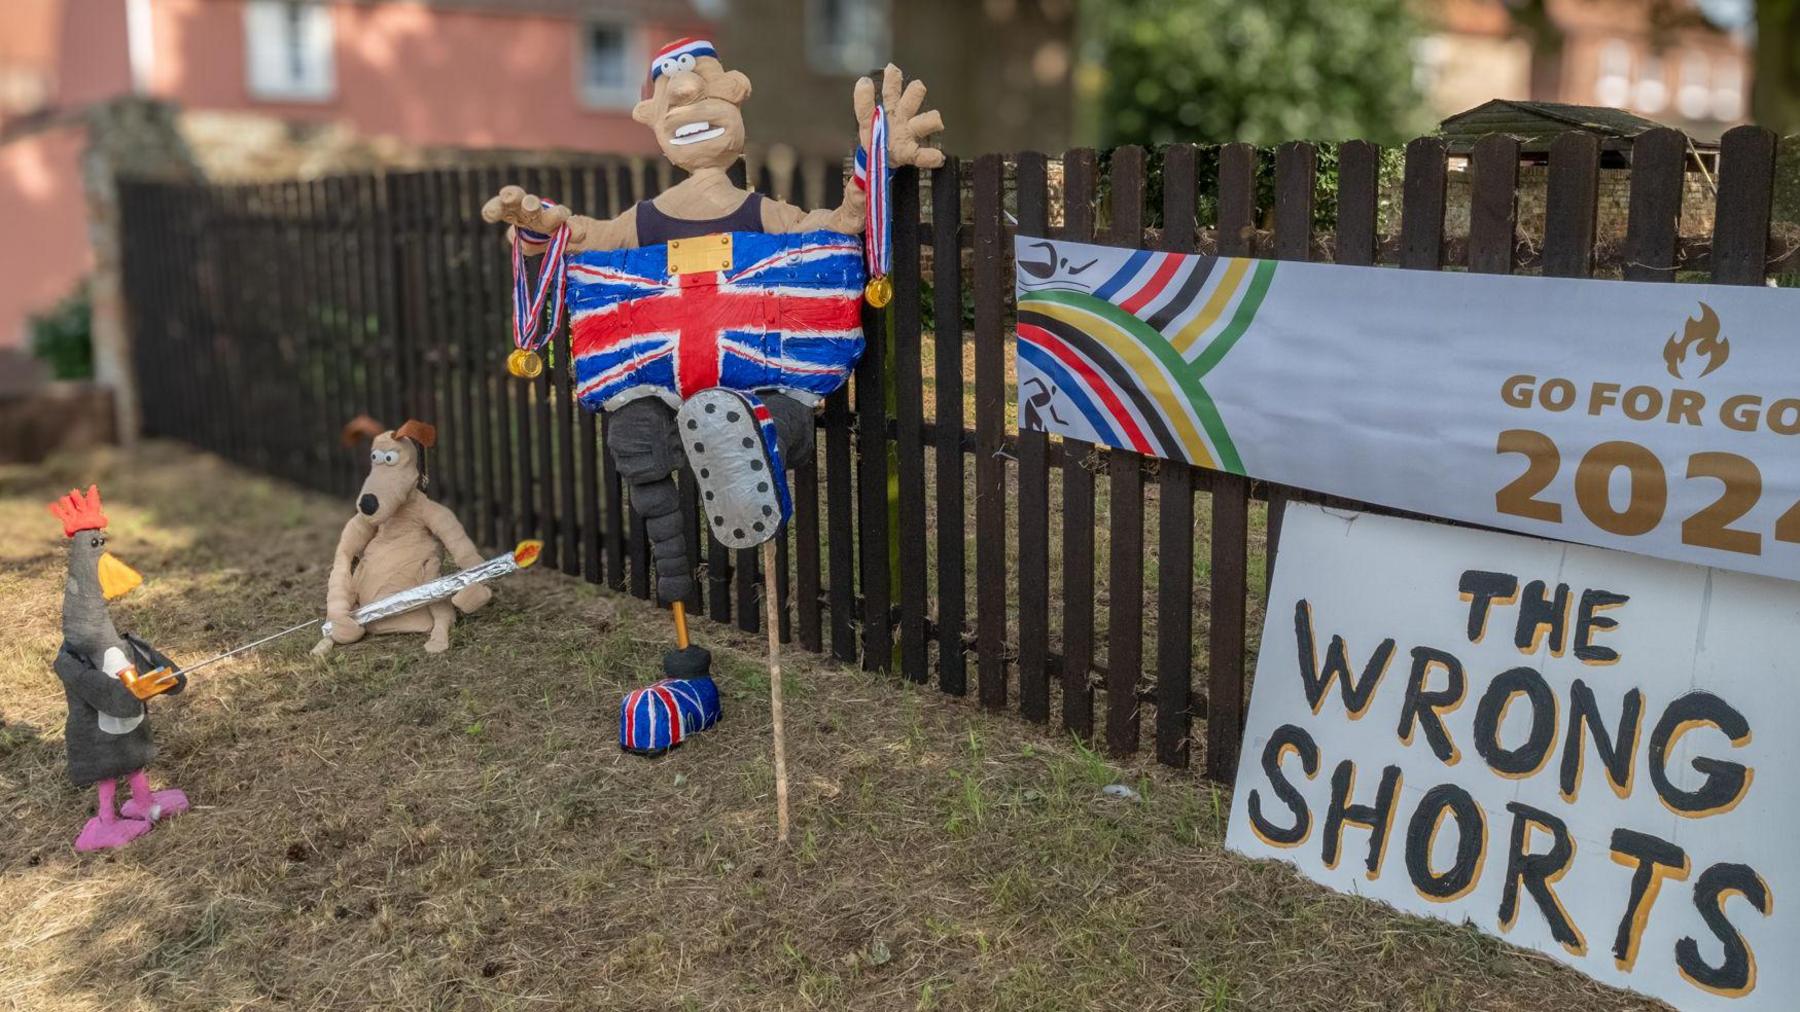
[
  {"x": 1659, "y": 419},
  {"x": 1585, "y": 753}
]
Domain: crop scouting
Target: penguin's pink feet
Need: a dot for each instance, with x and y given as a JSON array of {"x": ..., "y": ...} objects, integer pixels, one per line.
[
  {"x": 107, "y": 830},
  {"x": 149, "y": 805},
  {"x": 104, "y": 834}
]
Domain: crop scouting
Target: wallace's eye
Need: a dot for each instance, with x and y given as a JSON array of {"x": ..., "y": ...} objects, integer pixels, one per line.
[
  {"x": 685, "y": 61},
  {"x": 669, "y": 66}
]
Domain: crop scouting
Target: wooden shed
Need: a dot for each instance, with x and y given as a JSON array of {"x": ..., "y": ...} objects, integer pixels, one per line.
[{"x": 1536, "y": 124}]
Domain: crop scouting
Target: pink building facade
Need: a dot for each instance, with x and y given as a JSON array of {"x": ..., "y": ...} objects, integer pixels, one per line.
[{"x": 523, "y": 74}]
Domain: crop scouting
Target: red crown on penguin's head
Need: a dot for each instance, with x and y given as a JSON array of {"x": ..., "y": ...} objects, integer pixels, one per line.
[{"x": 78, "y": 512}]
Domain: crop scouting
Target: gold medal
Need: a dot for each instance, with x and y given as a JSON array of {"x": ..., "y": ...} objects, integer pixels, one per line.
[
  {"x": 524, "y": 364},
  {"x": 879, "y": 291}
]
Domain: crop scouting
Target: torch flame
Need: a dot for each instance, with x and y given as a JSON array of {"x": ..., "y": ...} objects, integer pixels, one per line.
[{"x": 1702, "y": 337}]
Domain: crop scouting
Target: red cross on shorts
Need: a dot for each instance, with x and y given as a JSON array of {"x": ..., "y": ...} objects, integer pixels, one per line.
[{"x": 700, "y": 311}]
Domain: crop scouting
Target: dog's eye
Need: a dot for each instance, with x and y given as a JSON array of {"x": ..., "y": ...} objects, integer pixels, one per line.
[
  {"x": 374, "y": 456},
  {"x": 390, "y": 457}
]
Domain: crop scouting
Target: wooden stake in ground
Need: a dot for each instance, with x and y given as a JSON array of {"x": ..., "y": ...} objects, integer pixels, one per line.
[{"x": 773, "y": 621}]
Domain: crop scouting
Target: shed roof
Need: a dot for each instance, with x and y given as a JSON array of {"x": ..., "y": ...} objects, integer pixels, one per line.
[{"x": 1536, "y": 124}]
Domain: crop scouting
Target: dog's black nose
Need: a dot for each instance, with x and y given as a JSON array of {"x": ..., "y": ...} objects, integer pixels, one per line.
[{"x": 368, "y": 504}]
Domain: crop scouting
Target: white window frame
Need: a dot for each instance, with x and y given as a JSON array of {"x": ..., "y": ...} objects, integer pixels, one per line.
[
  {"x": 264, "y": 87},
  {"x": 828, "y": 58},
  {"x": 637, "y": 66}
]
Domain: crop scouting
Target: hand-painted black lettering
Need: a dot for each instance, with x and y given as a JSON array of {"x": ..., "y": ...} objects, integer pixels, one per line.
[
  {"x": 1616, "y": 750},
  {"x": 1588, "y": 621},
  {"x": 1539, "y": 612},
  {"x": 1537, "y": 873},
  {"x": 1726, "y": 782},
  {"x": 1736, "y": 975},
  {"x": 1484, "y": 589},
  {"x": 1652, "y": 860},
  {"x": 1426, "y": 706},
  {"x": 1358, "y": 692},
  {"x": 1471, "y": 843},
  {"x": 1529, "y": 757},
  {"x": 1286, "y": 737},
  {"x": 1377, "y": 818}
]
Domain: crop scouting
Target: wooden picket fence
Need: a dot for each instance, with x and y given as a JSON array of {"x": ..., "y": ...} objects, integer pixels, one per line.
[{"x": 264, "y": 316}]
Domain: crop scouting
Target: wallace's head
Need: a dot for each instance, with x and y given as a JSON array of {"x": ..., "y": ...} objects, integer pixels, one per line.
[{"x": 694, "y": 106}]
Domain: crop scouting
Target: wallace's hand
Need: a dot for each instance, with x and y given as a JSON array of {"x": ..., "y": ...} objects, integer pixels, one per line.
[
  {"x": 528, "y": 211},
  {"x": 908, "y": 128}
]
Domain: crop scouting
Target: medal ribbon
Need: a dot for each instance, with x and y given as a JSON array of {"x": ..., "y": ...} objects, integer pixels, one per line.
[
  {"x": 529, "y": 333},
  {"x": 878, "y": 240}
]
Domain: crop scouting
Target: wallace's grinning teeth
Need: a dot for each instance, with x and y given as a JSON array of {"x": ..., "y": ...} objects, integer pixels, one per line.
[{"x": 693, "y": 133}]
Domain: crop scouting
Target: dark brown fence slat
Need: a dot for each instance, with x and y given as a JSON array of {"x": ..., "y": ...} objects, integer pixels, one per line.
[
  {"x": 1746, "y": 190},
  {"x": 587, "y": 438},
  {"x": 568, "y": 511},
  {"x": 1080, "y": 178},
  {"x": 746, "y": 571},
  {"x": 1032, "y": 187},
  {"x": 1493, "y": 204},
  {"x": 909, "y": 415},
  {"x": 1422, "y": 205},
  {"x": 1230, "y": 511},
  {"x": 872, "y": 488},
  {"x": 990, "y": 263},
  {"x": 1653, "y": 224},
  {"x": 1572, "y": 206},
  {"x": 1175, "y": 507},
  {"x": 1296, "y": 178},
  {"x": 1359, "y": 194},
  {"x": 840, "y": 533},
  {"x": 1125, "y": 538},
  {"x": 947, "y": 355}
]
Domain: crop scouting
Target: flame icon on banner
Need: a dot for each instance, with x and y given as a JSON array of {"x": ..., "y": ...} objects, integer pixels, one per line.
[{"x": 1700, "y": 336}]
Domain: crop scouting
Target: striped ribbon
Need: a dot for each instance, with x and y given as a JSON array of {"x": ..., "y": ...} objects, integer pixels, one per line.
[
  {"x": 529, "y": 332},
  {"x": 878, "y": 240}
]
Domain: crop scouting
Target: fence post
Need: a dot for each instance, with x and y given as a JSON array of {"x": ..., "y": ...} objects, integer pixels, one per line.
[
  {"x": 990, "y": 469},
  {"x": 1033, "y": 188},
  {"x": 1175, "y": 520}
]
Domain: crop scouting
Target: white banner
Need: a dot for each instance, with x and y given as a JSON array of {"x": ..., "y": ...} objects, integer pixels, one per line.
[
  {"x": 1659, "y": 419},
  {"x": 1582, "y": 752}
]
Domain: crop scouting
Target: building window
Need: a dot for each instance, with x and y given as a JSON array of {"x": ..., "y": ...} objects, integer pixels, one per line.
[
  {"x": 1728, "y": 90},
  {"x": 612, "y": 68},
  {"x": 1613, "y": 84},
  {"x": 1693, "y": 95},
  {"x": 288, "y": 48},
  {"x": 1652, "y": 92},
  {"x": 847, "y": 36}
]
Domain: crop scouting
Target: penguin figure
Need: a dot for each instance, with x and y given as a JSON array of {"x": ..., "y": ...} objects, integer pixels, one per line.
[{"x": 108, "y": 731}]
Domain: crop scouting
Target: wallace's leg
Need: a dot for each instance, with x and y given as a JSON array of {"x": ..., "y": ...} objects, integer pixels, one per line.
[
  {"x": 795, "y": 426},
  {"x": 641, "y": 437}
]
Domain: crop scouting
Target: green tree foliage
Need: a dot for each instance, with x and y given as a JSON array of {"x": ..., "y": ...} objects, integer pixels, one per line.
[
  {"x": 1262, "y": 72},
  {"x": 63, "y": 336}
]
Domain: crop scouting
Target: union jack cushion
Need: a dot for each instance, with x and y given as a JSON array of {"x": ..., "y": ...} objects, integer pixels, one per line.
[
  {"x": 661, "y": 716},
  {"x": 786, "y": 317}
]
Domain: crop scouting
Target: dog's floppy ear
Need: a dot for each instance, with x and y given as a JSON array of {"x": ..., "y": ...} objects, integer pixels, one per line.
[
  {"x": 361, "y": 428},
  {"x": 425, "y": 434}
]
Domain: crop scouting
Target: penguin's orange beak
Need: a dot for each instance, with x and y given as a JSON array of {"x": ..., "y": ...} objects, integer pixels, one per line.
[{"x": 116, "y": 578}]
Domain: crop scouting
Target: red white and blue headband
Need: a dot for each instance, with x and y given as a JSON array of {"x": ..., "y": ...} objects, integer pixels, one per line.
[{"x": 680, "y": 55}]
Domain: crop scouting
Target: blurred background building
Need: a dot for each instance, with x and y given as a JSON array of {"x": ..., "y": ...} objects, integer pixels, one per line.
[{"x": 278, "y": 88}]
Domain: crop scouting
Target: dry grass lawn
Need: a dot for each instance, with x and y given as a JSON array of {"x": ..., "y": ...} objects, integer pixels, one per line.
[{"x": 391, "y": 830}]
